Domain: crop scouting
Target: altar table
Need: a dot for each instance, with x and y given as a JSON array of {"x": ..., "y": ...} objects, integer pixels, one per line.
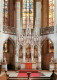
[{"x": 28, "y": 65}]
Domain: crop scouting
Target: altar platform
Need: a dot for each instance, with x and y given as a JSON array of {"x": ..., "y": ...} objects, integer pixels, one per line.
[{"x": 25, "y": 71}]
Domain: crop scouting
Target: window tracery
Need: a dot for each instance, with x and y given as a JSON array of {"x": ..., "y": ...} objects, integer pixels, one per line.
[
  {"x": 27, "y": 13},
  {"x": 5, "y": 12},
  {"x": 51, "y": 12}
]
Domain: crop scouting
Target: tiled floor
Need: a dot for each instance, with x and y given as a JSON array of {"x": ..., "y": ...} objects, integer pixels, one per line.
[
  {"x": 44, "y": 72},
  {"x": 14, "y": 74}
]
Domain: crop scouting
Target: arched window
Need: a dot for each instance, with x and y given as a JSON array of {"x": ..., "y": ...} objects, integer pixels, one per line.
[
  {"x": 27, "y": 13},
  {"x": 5, "y": 12},
  {"x": 51, "y": 12},
  {"x": 51, "y": 47}
]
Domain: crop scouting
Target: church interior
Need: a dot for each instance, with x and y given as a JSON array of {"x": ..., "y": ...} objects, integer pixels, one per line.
[{"x": 28, "y": 39}]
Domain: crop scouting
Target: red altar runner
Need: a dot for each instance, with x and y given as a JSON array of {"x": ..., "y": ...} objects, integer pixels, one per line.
[{"x": 28, "y": 65}]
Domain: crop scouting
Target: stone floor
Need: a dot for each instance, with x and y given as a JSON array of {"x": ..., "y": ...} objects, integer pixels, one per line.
[{"x": 14, "y": 74}]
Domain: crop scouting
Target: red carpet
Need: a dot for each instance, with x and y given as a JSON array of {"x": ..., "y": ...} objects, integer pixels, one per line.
[
  {"x": 22, "y": 75},
  {"x": 25, "y": 71},
  {"x": 31, "y": 75},
  {"x": 34, "y": 75}
]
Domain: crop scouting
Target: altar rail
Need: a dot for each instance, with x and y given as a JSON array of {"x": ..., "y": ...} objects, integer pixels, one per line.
[
  {"x": 43, "y": 31},
  {"x": 47, "y": 30},
  {"x": 38, "y": 78},
  {"x": 9, "y": 30}
]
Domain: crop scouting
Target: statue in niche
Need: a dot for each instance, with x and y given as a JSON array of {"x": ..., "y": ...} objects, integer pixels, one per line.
[
  {"x": 35, "y": 52},
  {"x": 28, "y": 51}
]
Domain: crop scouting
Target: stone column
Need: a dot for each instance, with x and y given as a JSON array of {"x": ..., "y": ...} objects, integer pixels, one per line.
[
  {"x": 55, "y": 48},
  {"x": 38, "y": 25},
  {"x": 55, "y": 31},
  {"x": 1, "y": 29},
  {"x": 24, "y": 52},
  {"x": 1, "y": 49},
  {"x": 38, "y": 17},
  {"x": 39, "y": 55},
  {"x": 55, "y": 14},
  {"x": 18, "y": 17},
  {"x": 1, "y": 15},
  {"x": 17, "y": 56},
  {"x": 32, "y": 52}
]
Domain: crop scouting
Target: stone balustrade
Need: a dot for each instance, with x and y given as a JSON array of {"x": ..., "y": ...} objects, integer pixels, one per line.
[
  {"x": 47, "y": 30},
  {"x": 9, "y": 30}
]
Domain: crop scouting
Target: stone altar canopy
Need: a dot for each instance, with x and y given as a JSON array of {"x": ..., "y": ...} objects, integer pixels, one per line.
[{"x": 28, "y": 36}]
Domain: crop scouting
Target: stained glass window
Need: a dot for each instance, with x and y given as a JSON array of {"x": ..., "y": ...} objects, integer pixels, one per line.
[
  {"x": 5, "y": 12},
  {"x": 51, "y": 12},
  {"x": 27, "y": 13},
  {"x": 51, "y": 47}
]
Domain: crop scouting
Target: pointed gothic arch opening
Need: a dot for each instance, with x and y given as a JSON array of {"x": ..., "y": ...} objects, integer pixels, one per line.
[
  {"x": 47, "y": 53},
  {"x": 9, "y": 53}
]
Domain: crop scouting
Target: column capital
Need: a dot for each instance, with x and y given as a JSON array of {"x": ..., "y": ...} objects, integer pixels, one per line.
[
  {"x": 18, "y": 0},
  {"x": 38, "y": 0}
]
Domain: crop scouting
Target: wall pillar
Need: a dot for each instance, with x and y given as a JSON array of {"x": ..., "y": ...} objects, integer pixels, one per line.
[
  {"x": 1, "y": 29},
  {"x": 17, "y": 56},
  {"x": 1, "y": 50},
  {"x": 39, "y": 55},
  {"x": 55, "y": 14},
  {"x": 18, "y": 17},
  {"x": 55, "y": 31},
  {"x": 38, "y": 17},
  {"x": 37, "y": 29},
  {"x": 1, "y": 15},
  {"x": 55, "y": 49}
]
